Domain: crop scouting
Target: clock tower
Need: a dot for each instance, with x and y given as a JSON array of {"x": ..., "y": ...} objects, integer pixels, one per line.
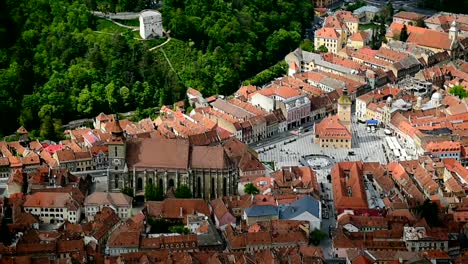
[
  {"x": 344, "y": 109},
  {"x": 116, "y": 146}
]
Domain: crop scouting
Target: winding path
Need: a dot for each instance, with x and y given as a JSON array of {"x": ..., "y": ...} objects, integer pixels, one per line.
[{"x": 131, "y": 16}]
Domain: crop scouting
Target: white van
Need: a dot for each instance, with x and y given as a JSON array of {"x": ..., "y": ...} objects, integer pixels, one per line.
[{"x": 368, "y": 129}]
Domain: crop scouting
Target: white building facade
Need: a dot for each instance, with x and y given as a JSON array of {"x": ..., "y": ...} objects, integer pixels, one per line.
[
  {"x": 150, "y": 24},
  {"x": 119, "y": 202},
  {"x": 53, "y": 208}
]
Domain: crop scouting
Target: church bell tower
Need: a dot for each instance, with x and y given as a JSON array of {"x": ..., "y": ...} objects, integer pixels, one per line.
[{"x": 344, "y": 109}]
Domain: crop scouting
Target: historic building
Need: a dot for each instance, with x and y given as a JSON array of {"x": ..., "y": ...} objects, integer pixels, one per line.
[
  {"x": 169, "y": 163},
  {"x": 335, "y": 131},
  {"x": 150, "y": 24}
]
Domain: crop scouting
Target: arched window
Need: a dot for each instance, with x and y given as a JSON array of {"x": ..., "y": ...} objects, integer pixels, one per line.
[
  {"x": 225, "y": 186},
  {"x": 213, "y": 191},
  {"x": 139, "y": 184},
  {"x": 199, "y": 187},
  {"x": 116, "y": 182}
]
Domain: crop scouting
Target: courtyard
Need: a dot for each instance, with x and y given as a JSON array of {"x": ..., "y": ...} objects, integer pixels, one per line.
[{"x": 366, "y": 147}]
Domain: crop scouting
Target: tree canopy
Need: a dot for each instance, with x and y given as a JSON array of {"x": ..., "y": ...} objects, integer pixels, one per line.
[
  {"x": 316, "y": 236},
  {"x": 322, "y": 49},
  {"x": 355, "y": 5},
  {"x": 249, "y": 188},
  {"x": 59, "y": 64},
  {"x": 153, "y": 192},
  {"x": 430, "y": 212},
  {"x": 183, "y": 192},
  {"x": 459, "y": 91},
  {"x": 458, "y": 7},
  {"x": 404, "y": 34}
]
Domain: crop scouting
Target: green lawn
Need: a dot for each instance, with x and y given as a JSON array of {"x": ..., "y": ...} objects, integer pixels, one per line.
[
  {"x": 105, "y": 25},
  {"x": 132, "y": 22},
  {"x": 367, "y": 26}
]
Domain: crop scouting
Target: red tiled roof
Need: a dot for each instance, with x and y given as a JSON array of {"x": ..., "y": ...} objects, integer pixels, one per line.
[
  {"x": 245, "y": 91},
  {"x": 193, "y": 92},
  {"x": 51, "y": 200},
  {"x": 348, "y": 186},
  {"x": 395, "y": 29},
  {"x": 331, "y": 127},
  {"x": 432, "y": 39},
  {"x": 359, "y": 36},
  {"x": 454, "y": 166},
  {"x": 177, "y": 208},
  {"x": 409, "y": 15},
  {"x": 361, "y": 260},
  {"x": 327, "y": 32}
]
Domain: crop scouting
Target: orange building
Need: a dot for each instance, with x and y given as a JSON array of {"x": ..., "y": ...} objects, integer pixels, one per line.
[{"x": 348, "y": 186}]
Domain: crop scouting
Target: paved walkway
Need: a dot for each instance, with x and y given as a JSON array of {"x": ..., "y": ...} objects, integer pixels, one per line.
[
  {"x": 366, "y": 146},
  {"x": 121, "y": 15}
]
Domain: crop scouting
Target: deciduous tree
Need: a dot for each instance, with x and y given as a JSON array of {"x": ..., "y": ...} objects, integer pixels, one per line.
[
  {"x": 249, "y": 188},
  {"x": 183, "y": 192}
]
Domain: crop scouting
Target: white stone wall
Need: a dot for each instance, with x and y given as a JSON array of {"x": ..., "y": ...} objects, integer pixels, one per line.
[
  {"x": 150, "y": 24},
  {"x": 264, "y": 102}
]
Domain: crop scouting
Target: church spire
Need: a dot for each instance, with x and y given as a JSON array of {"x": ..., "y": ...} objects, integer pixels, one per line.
[{"x": 116, "y": 129}]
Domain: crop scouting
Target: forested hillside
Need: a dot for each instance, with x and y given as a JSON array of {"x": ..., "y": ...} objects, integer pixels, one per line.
[
  {"x": 55, "y": 67},
  {"x": 455, "y": 6}
]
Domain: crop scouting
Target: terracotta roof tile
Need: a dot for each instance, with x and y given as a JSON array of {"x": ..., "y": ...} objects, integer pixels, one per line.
[
  {"x": 331, "y": 127},
  {"x": 359, "y": 36},
  {"x": 327, "y": 32},
  {"x": 177, "y": 208},
  {"x": 51, "y": 200},
  {"x": 409, "y": 15},
  {"x": 171, "y": 153},
  {"x": 348, "y": 186},
  {"x": 432, "y": 39}
]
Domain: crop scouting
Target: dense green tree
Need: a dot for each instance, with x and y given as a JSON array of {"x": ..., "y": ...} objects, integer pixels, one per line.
[
  {"x": 458, "y": 90},
  {"x": 179, "y": 229},
  {"x": 183, "y": 192},
  {"x": 316, "y": 236},
  {"x": 55, "y": 67},
  {"x": 388, "y": 11},
  {"x": 307, "y": 45},
  {"x": 430, "y": 212},
  {"x": 153, "y": 192},
  {"x": 355, "y": 5},
  {"x": 249, "y": 188},
  {"x": 282, "y": 40},
  {"x": 459, "y": 7},
  {"x": 266, "y": 76},
  {"x": 158, "y": 226},
  {"x": 128, "y": 191},
  {"x": 404, "y": 34},
  {"x": 322, "y": 49},
  {"x": 420, "y": 23}
]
